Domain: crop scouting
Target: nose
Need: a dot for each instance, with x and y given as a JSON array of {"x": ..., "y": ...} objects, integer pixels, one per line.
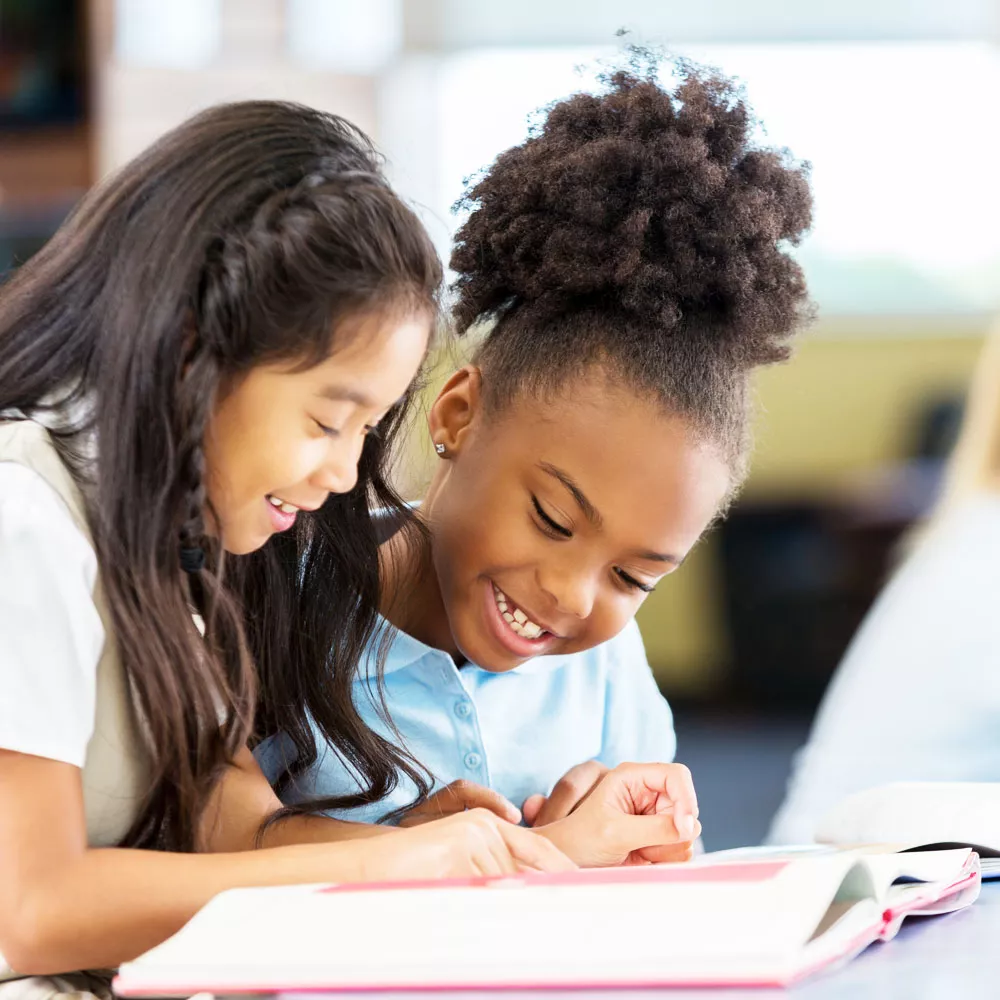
[
  {"x": 572, "y": 591},
  {"x": 339, "y": 470}
]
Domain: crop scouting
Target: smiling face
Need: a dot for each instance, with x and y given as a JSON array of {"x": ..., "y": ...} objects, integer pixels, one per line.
[
  {"x": 552, "y": 519},
  {"x": 283, "y": 439}
]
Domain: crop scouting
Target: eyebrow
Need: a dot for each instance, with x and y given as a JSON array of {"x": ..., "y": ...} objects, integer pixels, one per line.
[
  {"x": 594, "y": 515},
  {"x": 338, "y": 394}
]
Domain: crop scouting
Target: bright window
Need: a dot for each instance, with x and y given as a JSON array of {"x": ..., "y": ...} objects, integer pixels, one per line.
[{"x": 902, "y": 138}]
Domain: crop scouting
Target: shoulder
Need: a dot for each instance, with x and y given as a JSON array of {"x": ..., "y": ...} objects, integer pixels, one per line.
[
  {"x": 969, "y": 532},
  {"x": 953, "y": 573},
  {"x": 617, "y": 664},
  {"x": 52, "y": 629},
  {"x": 625, "y": 654},
  {"x": 34, "y": 516}
]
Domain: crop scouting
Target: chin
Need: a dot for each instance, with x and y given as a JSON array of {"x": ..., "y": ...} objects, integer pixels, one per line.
[
  {"x": 506, "y": 668},
  {"x": 243, "y": 545},
  {"x": 486, "y": 658}
]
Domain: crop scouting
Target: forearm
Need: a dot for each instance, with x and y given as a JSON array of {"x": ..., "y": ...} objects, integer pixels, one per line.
[
  {"x": 107, "y": 906},
  {"x": 243, "y": 802},
  {"x": 319, "y": 830}
]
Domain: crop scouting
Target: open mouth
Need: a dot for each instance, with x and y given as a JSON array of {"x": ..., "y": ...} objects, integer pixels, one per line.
[
  {"x": 516, "y": 620},
  {"x": 283, "y": 505},
  {"x": 281, "y": 513}
]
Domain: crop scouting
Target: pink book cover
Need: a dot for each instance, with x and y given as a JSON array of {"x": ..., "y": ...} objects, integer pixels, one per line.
[{"x": 957, "y": 893}]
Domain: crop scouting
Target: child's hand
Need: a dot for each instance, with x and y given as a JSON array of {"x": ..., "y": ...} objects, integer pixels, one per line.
[
  {"x": 569, "y": 791},
  {"x": 458, "y": 797},
  {"x": 636, "y": 814},
  {"x": 471, "y": 843}
]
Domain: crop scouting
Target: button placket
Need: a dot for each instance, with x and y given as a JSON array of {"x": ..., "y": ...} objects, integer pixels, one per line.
[{"x": 468, "y": 736}]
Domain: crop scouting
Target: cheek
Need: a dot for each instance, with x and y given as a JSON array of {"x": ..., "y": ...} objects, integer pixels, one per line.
[
  {"x": 477, "y": 534},
  {"x": 256, "y": 466},
  {"x": 492, "y": 536}
]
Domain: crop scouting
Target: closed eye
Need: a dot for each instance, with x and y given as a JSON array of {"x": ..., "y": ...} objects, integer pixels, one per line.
[
  {"x": 328, "y": 431},
  {"x": 551, "y": 526},
  {"x": 631, "y": 581},
  {"x": 370, "y": 430}
]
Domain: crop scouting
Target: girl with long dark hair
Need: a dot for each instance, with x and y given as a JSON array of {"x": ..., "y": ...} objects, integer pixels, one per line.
[{"x": 201, "y": 376}]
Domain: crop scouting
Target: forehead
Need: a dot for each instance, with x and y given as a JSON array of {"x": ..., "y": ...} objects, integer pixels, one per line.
[
  {"x": 654, "y": 480},
  {"x": 375, "y": 356}
]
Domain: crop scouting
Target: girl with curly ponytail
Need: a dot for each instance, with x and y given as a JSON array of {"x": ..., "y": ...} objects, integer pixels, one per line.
[
  {"x": 628, "y": 269},
  {"x": 201, "y": 377}
]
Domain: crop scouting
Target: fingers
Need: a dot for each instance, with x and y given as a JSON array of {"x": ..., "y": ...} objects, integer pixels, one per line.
[
  {"x": 661, "y": 788},
  {"x": 458, "y": 797},
  {"x": 469, "y": 795},
  {"x": 654, "y": 837},
  {"x": 570, "y": 790},
  {"x": 530, "y": 809},
  {"x": 532, "y": 852},
  {"x": 474, "y": 842},
  {"x": 664, "y": 853}
]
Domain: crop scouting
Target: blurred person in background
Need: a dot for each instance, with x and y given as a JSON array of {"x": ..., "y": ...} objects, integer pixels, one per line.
[{"x": 917, "y": 696}]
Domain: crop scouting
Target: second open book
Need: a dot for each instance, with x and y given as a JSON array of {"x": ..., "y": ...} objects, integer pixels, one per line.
[
  {"x": 708, "y": 922},
  {"x": 914, "y": 815}
]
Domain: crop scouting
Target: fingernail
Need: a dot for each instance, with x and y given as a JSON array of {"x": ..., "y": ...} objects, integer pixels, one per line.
[{"x": 687, "y": 828}]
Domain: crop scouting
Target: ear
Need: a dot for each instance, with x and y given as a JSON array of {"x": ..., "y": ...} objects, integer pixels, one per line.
[{"x": 455, "y": 410}]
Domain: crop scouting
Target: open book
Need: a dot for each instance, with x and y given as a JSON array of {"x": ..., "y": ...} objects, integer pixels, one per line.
[
  {"x": 707, "y": 922},
  {"x": 921, "y": 815}
]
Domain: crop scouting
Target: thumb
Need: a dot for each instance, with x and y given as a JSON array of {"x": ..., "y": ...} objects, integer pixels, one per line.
[
  {"x": 532, "y": 807},
  {"x": 634, "y": 833}
]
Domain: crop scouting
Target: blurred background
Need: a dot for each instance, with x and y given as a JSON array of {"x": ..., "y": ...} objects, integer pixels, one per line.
[{"x": 893, "y": 103}]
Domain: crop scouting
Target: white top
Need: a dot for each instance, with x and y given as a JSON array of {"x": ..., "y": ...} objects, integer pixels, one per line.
[
  {"x": 51, "y": 631},
  {"x": 63, "y": 692},
  {"x": 917, "y": 697}
]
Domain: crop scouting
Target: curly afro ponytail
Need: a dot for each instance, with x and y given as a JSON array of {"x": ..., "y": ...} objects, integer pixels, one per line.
[{"x": 644, "y": 229}]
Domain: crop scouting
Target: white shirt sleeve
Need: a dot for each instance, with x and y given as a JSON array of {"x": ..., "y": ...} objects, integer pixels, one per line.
[
  {"x": 917, "y": 696},
  {"x": 638, "y": 723},
  {"x": 51, "y": 635}
]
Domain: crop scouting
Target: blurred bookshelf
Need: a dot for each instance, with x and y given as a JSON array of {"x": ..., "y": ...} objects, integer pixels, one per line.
[{"x": 46, "y": 160}]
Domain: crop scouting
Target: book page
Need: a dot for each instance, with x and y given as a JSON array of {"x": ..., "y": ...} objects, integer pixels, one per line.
[
  {"x": 915, "y": 813},
  {"x": 921, "y": 870}
]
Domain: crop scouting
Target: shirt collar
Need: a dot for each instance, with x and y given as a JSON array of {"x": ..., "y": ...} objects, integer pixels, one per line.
[{"x": 404, "y": 649}]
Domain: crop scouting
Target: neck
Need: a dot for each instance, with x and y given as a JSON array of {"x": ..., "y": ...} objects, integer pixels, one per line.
[{"x": 411, "y": 594}]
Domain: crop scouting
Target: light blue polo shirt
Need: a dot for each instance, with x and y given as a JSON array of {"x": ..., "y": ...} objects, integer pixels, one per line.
[{"x": 517, "y": 732}]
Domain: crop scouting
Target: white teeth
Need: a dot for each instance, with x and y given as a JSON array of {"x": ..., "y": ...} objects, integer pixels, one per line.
[
  {"x": 282, "y": 505},
  {"x": 517, "y": 620}
]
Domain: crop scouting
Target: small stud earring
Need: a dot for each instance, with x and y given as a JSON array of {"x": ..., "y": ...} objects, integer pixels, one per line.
[{"x": 439, "y": 448}]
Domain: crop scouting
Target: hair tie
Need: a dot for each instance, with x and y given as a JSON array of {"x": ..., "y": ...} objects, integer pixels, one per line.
[{"x": 192, "y": 559}]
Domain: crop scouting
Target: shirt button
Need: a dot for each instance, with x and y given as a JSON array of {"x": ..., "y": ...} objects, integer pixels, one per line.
[
  {"x": 473, "y": 760},
  {"x": 463, "y": 709}
]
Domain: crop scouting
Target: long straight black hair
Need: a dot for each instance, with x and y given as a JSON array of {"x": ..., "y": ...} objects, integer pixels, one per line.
[{"x": 244, "y": 236}]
